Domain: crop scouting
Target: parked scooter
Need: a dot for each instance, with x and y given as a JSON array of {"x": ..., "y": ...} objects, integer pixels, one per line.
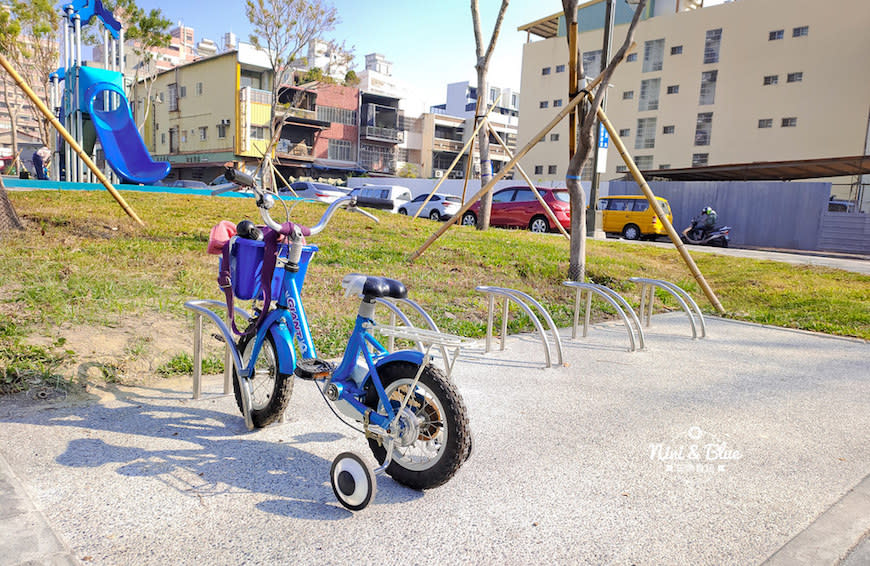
[{"x": 716, "y": 236}]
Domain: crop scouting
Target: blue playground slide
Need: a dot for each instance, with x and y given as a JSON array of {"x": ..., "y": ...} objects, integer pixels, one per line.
[{"x": 125, "y": 151}]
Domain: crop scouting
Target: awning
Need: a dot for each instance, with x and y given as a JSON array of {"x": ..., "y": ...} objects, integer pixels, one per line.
[
  {"x": 769, "y": 170},
  {"x": 340, "y": 166}
]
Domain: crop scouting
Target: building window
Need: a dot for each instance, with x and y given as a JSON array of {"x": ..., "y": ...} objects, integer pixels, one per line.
[
  {"x": 544, "y": 104},
  {"x": 493, "y": 94},
  {"x": 172, "y": 91},
  {"x": 653, "y": 55},
  {"x": 554, "y": 137},
  {"x": 621, "y": 169},
  {"x": 203, "y": 133},
  {"x": 645, "y": 137},
  {"x": 665, "y": 166},
  {"x": 771, "y": 80},
  {"x": 557, "y": 103},
  {"x": 795, "y": 77},
  {"x": 649, "y": 94},
  {"x": 545, "y": 71},
  {"x": 182, "y": 91},
  {"x": 673, "y": 89},
  {"x": 257, "y": 133},
  {"x": 183, "y": 136},
  {"x": 765, "y": 123},
  {"x": 711, "y": 45},
  {"x": 708, "y": 87},
  {"x": 199, "y": 89},
  {"x": 628, "y": 95},
  {"x": 625, "y": 132},
  {"x": 700, "y": 159},
  {"x": 789, "y": 122},
  {"x": 340, "y": 150},
  {"x": 703, "y": 128},
  {"x": 551, "y": 169},
  {"x": 631, "y": 57},
  {"x": 644, "y": 162},
  {"x": 221, "y": 131},
  {"x": 515, "y": 101},
  {"x": 592, "y": 63},
  {"x": 677, "y": 50},
  {"x": 163, "y": 138},
  {"x": 560, "y": 68},
  {"x": 776, "y": 34},
  {"x": 668, "y": 130},
  {"x": 801, "y": 31},
  {"x": 539, "y": 169},
  {"x": 337, "y": 115}
]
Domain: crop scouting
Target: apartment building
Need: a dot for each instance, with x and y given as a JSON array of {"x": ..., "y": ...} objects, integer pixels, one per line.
[
  {"x": 208, "y": 112},
  {"x": 740, "y": 82}
]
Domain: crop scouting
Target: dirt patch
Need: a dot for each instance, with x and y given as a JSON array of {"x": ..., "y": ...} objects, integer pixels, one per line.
[{"x": 129, "y": 353}]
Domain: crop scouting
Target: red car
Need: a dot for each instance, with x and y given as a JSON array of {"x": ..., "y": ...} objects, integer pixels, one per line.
[{"x": 517, "y": 207}]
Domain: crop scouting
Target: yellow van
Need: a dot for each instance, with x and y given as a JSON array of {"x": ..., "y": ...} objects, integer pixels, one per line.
[{"x": 631, "y": 216}]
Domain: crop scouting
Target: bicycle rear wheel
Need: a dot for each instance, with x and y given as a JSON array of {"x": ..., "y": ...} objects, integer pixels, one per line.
[
  {"x": 442, "y": 439},
  {"x": 270, "y": 389}
]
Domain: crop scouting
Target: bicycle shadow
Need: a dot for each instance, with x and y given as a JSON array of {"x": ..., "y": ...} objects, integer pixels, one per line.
[{"x": 206, "y": 453}]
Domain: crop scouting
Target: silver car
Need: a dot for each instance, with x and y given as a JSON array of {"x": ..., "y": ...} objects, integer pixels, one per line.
[
  {"x": 315, "y": 191},
  {"x": 439, "y": 207}
]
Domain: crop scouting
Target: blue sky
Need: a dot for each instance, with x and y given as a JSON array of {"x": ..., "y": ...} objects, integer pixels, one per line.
[{"x": 430, "y": 44}]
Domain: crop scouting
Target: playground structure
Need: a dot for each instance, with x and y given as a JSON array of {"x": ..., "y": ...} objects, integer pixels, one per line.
[{"x": 93, "y": 104}]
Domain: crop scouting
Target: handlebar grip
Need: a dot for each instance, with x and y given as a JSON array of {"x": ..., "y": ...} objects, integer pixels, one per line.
[
  {"x": 371, "y": 202},
  {"x": 239, "y": 177}
]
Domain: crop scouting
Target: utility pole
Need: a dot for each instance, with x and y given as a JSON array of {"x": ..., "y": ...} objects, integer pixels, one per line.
[{"x": 593, "y": 219}]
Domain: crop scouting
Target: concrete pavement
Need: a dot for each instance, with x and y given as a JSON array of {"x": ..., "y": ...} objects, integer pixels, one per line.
[{"x": 746, "y": 446}]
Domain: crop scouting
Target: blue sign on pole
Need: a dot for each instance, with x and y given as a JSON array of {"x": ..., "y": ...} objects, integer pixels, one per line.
[{"x": 603, "y": 138}]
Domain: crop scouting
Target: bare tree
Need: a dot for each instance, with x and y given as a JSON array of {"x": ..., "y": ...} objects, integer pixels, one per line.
[
  {"x": 283, "y": 28},
  {"x": 28, "y": 38},
  {"x": 482, "y": 66},
  {"x": 585, "y": 136}
]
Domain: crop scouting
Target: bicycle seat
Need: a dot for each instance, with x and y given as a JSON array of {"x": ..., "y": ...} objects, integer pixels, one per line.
[{"x": 373, "y": 287}]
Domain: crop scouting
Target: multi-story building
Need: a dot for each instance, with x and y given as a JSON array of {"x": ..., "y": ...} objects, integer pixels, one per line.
[
  {"x": 452, "y": 122},
  {"x": 208, "y": 112},
  {"x": 734, "y": 83},
  {"x": 380, "y": 133},
  {"x": 330, "y": 58},
  {"x": 336, "y": 149}
]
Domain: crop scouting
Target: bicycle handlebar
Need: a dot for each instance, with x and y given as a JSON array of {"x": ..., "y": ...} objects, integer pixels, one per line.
[{"x": 239, "y": 179}]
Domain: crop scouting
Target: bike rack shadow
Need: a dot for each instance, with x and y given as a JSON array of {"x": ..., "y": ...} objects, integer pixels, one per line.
[{"x": 212, "y": 456}]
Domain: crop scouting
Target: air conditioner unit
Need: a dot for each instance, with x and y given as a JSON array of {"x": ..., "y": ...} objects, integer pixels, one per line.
[{"x": 439, "y": 173}]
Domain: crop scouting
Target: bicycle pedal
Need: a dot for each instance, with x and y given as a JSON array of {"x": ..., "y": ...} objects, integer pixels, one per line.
[{"x": 313, "y": 369}]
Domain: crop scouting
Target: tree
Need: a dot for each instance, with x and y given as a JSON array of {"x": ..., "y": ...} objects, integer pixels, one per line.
[
  {"x": 144, "y": 33},
  {"x": 482, "y": 66},
  {"x": 28, "y": 38},
  {"x": 350, "y": 78},
  {"x": 585, "y": 135},
  {"x": 283, "y": 28}
]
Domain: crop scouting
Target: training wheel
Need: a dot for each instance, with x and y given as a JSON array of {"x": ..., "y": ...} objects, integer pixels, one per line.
[{"x": 353, "y": 481}]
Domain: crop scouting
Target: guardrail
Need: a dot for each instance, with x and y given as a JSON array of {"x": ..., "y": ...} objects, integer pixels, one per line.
[
  {"x": 521, "y": 299},
  {"x": 616, "y": 301},
  {"x": 690, "y": 307}
]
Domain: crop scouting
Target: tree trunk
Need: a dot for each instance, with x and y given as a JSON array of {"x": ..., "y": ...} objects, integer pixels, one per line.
[{"x": 483, "y": 148}]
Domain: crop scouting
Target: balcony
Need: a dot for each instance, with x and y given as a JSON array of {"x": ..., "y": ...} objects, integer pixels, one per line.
[
  {"x": 389, "y": 135},
  {"x": 295, "y": 150},
  {"x": 292, "y": 112},
  {"x": 441, "y": 144}
]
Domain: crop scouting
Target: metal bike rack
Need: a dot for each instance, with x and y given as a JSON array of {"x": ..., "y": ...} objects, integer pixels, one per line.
[
  {"x": 429, "y": 338},
  {"x": 397, "y": 313},
  {"x": 690, "y": 307},
  {"x": 616, "y": 301},
  {"x": 200, "y": 307},
  {"x": 521, "y": 299}
]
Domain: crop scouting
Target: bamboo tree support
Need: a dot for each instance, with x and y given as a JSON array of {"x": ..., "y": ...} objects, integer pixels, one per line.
[
  {"x": 504, "y": 171},
  {"x": 458, "y": 156},
  {"x": 69, "y": 139},
  {"x": 538, "y": 196},
  {"x": 660, "y": 213}
]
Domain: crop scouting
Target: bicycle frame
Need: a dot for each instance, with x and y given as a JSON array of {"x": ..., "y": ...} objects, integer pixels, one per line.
[{"x": 288, "y": 321}]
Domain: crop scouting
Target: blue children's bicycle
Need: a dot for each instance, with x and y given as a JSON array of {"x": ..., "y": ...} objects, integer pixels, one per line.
[{"x": 413, "y": 417}]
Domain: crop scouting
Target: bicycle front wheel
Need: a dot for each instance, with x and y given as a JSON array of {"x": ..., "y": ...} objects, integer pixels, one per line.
[
  {"x": 270, "y": 389},
  {"x": 441, "y": 441}
]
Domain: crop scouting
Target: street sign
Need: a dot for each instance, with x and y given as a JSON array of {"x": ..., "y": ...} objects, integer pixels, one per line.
[{"x": 603, "y": 144}]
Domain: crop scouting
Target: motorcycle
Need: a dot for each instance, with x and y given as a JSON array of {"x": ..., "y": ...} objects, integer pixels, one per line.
[{"x": 716, "y": 236}]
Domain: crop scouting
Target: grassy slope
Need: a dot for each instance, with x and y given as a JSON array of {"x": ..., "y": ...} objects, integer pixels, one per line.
[{"x": 83, "y": 261}]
